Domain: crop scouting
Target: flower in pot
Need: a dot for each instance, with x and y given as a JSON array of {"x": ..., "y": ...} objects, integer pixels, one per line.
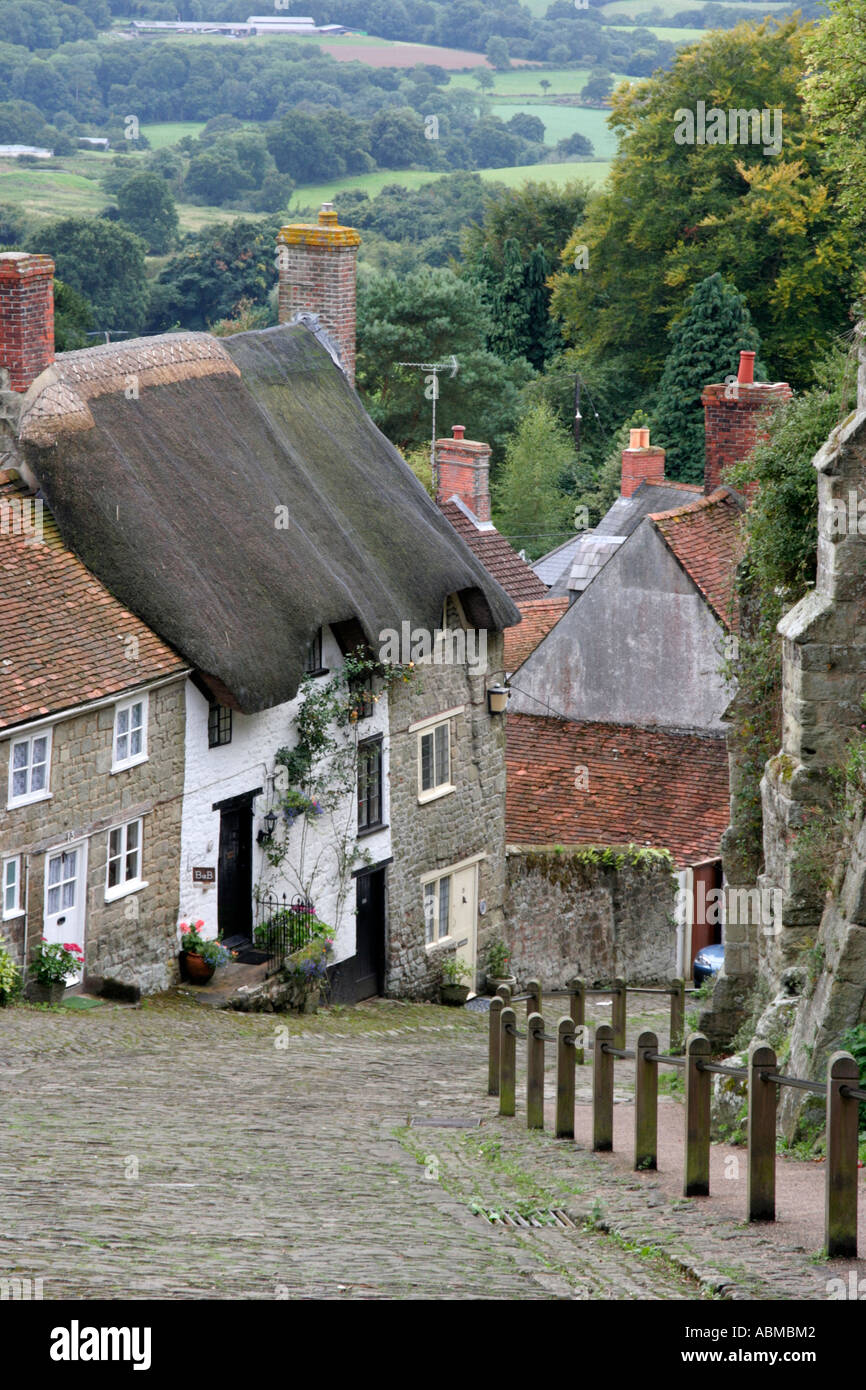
[
  {"x": 306, "y": 973},
  {"x": 200, "y": 956},
  {"x": 50, "y": 964},
  {"x": 10, "y": 976},
  {"x": 455, "y": 971},
  {"x": 498, "y": 958}
]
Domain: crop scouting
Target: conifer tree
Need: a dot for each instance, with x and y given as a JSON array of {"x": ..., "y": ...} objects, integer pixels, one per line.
[
  {"x": 533, "y": 502},
  {"x": 705, "y": 348}
]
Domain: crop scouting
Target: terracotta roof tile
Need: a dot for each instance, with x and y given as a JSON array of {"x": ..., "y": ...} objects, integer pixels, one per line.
[
  {"x": 643, "y": 786},
  {"x": 497, "y": 556},
  {"x": 706, "y": 539},
  {"x": 539, "y": 616},
  {"x": 64, "y": 640}
]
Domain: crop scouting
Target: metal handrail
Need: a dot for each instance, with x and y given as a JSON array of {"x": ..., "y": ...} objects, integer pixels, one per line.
[
  {"x": 741, "y": 1073},
  {"x": 513, "y": 1032},
  {"x": 625, "y": 1053},
  {"x": 661, "y": 1057}
]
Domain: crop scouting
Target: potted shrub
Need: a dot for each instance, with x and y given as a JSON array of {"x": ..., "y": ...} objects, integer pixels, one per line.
[
  {"x": 452, "y": 989},
  {"x": 49, "y": 967},
  {"x": 10, "y": 976},
  {"x": 498, "y": 957},
  {"x": 200, "y": 956}
]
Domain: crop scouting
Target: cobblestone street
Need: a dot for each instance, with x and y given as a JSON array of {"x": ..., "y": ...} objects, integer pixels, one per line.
[{"x": 176, "y": 1151}]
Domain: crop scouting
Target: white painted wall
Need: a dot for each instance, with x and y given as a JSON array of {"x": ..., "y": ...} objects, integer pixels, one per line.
[{"x": 213, "y": 775}]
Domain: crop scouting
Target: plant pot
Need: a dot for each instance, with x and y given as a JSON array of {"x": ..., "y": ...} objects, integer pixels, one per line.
[
  {"x": 198, "y": 970},
  {"x": 39, "y": 993},
  {"x": 454, "y": 994},
  {"x": 494, "y": 981}
]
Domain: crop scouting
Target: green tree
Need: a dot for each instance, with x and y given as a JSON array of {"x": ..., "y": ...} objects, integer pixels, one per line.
[
  {"x": 705, "y": 347},
  {"x": 222, "y": 272},
  {"x": 835, "y": 88},
  {"x": 598, "y": 87},
  {"x": 674, "y": 213},
  {"x": 397, "y": 138},
  {"x": 531, "y": 505},
  {"x": 104, "y": 262},
  {"x": 147, "y": 207},
  {"x": 73, "y": 318},
  {"x": 302, "y": 147},
  {"x": 497, "y": 53}
]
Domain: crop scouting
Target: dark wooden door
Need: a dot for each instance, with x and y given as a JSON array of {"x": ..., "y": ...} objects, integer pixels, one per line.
[
  {"x": 370, "y": 935},
  {"x": 235, "y": 878}
]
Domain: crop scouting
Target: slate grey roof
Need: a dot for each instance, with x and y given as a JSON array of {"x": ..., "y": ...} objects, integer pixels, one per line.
[
  {"x": 595, "y": 548},
  {"x": 170, "y": 464},
  {"x": 552, "y": 565}
]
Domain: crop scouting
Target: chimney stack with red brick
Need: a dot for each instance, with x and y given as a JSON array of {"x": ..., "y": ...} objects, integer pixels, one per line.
[
  {"x": 641, "y": 463},
  {"x": 26, "y": 316},
  {"x": 463, "y": 467},
  {"x": 317, "y": 264},
  {"x": 732, "y": 417}
]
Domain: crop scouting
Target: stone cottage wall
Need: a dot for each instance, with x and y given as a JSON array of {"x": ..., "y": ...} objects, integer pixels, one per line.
[
  {"x": 132, "y": 939},
  {"x": 568, "y": 913}
]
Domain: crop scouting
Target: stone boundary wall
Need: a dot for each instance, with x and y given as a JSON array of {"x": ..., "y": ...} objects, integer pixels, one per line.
[{"x": 597, "y": 913}]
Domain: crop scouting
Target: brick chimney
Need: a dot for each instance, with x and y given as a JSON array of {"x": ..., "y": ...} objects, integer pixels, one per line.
[
  {"x": 732, "y": 417},
  {"x": 26, "y": 316},
  {"x": 317, "y": 276},
  {"x": 463, "y": 467},
  {"x": 641, "y": 463}
]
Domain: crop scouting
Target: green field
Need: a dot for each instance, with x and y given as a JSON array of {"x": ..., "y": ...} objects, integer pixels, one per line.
[
  {"x": 561, "y": 121},
  {"x": 635, "y": 8},
  {"x": 313, "y": 195},
  {"x": 169, "y": 132},
  {"x": 564, "y": 82}
]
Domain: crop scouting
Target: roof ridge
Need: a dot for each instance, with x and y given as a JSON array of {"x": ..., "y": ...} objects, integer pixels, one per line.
[{"x": 719, "y": 494}]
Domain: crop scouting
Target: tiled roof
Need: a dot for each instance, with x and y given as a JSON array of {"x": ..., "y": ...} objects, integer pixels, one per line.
[
  {"x": 539, "y": 616},
  {"x": 644, "y": 786},
  {"x": 64, "y": 640},
  {"x": 495, "y": 554},
  {"x": 557, "y": 561},
  {"x": 706, "y": 539}
]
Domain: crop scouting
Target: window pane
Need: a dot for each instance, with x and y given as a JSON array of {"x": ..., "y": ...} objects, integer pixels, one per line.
[
  {"x": 132, "y": 834},
  {"x": 19, "y": 783},
  {"x": 426, "y": 762},
  {"x": 442, "y": 732},
  {"x": 54, "y": 869},
  {"x": 40, "y": 748},
  {"x": 136, "y": 715},
  {"x": 131, "y": 863},
  {"x": 122, "y": 724},
  {"x": 37, "y": 778},
  {"x": 429, "y": 910},
  {"x": 135, "y": 743},
  {"x": 68, "y": 893},
  {"x": 114, "y": 843},
  {"x": 444, "y": 904},
  {"x": 122, "y": 747},
  {"x": 53, "y": 900},
  {"x": 70, "y": 860},
  {"x": 113, "y": 873},
  {"x": 19, "y": 754}
]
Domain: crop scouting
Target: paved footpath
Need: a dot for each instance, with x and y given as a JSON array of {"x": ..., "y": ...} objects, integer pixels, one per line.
[{"x": 174, "y": 1151}]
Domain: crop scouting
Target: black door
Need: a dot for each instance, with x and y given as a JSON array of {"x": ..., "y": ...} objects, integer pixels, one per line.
[
  {"x": 235, "y": 886},
  {"x": 370, "y": 935}
]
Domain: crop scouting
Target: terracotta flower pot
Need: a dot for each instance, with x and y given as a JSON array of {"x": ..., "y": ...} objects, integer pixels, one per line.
[{"x": 198, "y": 970}]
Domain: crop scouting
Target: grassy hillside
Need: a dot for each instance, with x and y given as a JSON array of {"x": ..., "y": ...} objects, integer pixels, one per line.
[
  {"x": 561, "y": 121},
  {"x": 594, "y": 171},
  {"x": 169, "y": 132}
]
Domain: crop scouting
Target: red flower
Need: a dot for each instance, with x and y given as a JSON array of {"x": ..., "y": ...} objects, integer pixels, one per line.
[
  {"x": 199, "y": 923},
  {"x": 184, "y": 927}
]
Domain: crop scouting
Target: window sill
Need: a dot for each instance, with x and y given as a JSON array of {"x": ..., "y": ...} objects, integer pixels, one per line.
[
  {"x": 128, "y": 763},
  {"x": 435, "y": 793},
  {"x": 371, "y": 830},
  {"x": 320, "y": 671},
  {"x": 443, "y": 941},
  {"x": 123, "y": 890},
  {"x": 11, "y": 916},
  {"x": 29, "y": 800}
]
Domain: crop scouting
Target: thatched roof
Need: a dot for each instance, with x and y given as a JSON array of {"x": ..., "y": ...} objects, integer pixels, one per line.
[{"x": 175, "y": 500}]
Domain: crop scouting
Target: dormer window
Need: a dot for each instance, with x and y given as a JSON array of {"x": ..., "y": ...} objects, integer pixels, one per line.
[
  {"x": 219, "y": 726},
  {"x": 314, "y": 665}
]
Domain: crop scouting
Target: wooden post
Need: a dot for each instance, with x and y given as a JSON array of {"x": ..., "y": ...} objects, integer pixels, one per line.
[
  {"x": 535, "y": 1072},
  {"x": 533, "y": 1003},
  {"x": 696, "y": 1178},
  {"x": 565, "y": 1065},
  {"x": 761, "y": 1181},
  {"x": 504, "y": 992},
  {"x": 578, "y": 1015},
  {"x": 617, "y": 1012},
  {"x": 646, "y": 1103},
  {"x": 507, "y": 1061},
  {"x": 602, "y": 1091},
  {"x": 678, "y": 1015},
  {"x": 840, "y": 1206},
  {"x": 494, "y": 1045}
]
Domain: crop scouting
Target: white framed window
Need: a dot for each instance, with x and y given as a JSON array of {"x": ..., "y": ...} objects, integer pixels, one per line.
[
  {"x": 434, "y": 761},
  {"x": 30, "y": 768},
  {"x": 437, "y": 909},
  {"x": 130, "y": 733},
  {"x": 123, "y": 865},
  {"x": 10, "y": 881}
]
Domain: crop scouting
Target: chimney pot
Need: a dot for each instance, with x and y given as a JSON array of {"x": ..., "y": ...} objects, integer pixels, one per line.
[
  {"x": 746, "y": 370},
  {"x": 644, "y": 438},
  {"x": 634, "y": 439},
  {"x": 458, "y": 431}
]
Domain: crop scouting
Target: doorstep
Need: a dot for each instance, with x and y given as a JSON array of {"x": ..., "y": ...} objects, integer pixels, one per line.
[{"x": 225, "y": 983}]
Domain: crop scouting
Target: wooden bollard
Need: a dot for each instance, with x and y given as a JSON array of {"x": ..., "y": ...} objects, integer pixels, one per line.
[
  {"x": 696, "y": 1177},
  {"x": 646, "y": 1103},
  {"x": 840, "y": 1205},
  {"x": 494, "y": 1045},
  {"x": 602, "y": 1091},
  {"x": 535, "y": 1072},
  {"x": 504, "y": 992},
  {"x": 565, "y": 1065},
  {"x": 678, "y": 1015},
  {"x": 507, "y": 1061},
  {"x": 617, "y": 1012},
  {"x": 761, "y": 1179},
  {"x": 533, "y": 1003},
  {"x": 578, "y": 1015}
]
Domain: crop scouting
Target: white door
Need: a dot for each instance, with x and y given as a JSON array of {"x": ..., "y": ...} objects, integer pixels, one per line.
[
  {"x": 65, "y": 893},
  {"x": 465, "y": 915}
]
